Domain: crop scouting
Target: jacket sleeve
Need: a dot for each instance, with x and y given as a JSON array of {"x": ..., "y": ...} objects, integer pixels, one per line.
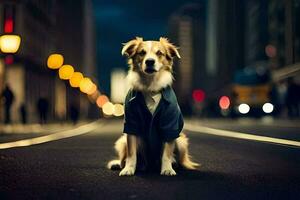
[
  {"x": 130, "y": 121},
  {"x": 171, "y": 123}
]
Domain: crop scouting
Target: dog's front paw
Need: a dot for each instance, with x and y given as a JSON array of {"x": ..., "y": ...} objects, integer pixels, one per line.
[
  {"x": 168, "y": 172},
  {"x": 127, "y": 171}
]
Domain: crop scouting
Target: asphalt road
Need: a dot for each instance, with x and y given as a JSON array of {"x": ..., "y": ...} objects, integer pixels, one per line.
[{"x": 74, "y": 168}]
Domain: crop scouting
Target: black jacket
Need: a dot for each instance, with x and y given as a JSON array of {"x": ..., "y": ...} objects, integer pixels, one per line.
[{"x": 164, "y": 125}]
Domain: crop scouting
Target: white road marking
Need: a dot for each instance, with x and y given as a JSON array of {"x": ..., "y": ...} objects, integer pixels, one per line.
[
  {"x": 239, "y": 135},
  {"x": 52, "y": 137}
]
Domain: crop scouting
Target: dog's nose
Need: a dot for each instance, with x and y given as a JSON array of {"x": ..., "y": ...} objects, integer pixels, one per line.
[{"x": 150, "y": 62}]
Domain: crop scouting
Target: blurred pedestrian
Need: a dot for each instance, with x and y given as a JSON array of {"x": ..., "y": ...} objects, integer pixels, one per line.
[
  {"x": 74, "y": 113},
  {"x": 293, "y": 98},
  {"x": 9, "y": 98},
  {"x": 42, "y": 107},
  {"x": 23, "y": 113},
  {"x": 281, "y": 99}
]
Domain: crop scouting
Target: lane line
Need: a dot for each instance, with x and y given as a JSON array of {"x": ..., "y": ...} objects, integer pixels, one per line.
[
  {"x": 52, "y": 137},
  {"x": 239, "y": 135}
]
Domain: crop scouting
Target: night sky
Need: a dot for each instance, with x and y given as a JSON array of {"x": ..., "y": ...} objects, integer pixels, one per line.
[{"x": 118, "y": 21}]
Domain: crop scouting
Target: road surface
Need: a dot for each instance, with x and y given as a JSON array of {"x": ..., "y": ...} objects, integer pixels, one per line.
[{"x": 74, "y": 168}]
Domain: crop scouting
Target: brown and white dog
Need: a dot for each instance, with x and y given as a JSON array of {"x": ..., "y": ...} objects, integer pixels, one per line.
[{"x": 150, "y": 72}]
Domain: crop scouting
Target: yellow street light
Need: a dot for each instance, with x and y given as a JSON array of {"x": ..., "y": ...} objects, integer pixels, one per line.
[
  {"x": 118, "y": 110},
  {"x": 76, "y": 79},
  {"x": 55, "y": 61},
  {"x": 101, "y": 100},
  {"x": 85, "y": 85},
  {"x": 108, "y": 108},
  {"x": 92, "y": 90},
  {"x": 10, "y": 43},
  {"x": 65, "y": 72}
]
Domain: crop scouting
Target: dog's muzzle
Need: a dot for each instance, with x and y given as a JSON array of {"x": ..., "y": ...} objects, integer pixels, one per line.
[
  {"x": 150, "y": 67},
  {"x": 150, "y": 70}
]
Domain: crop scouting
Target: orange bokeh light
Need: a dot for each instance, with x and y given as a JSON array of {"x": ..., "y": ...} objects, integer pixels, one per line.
[
  {"x": 76, "y": 79},
  {"x": 101, "y": 100},
  {"x": 65, "y": 72}
]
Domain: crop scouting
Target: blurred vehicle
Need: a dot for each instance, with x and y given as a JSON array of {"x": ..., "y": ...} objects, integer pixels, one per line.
[{"x": 252, "y": 92}]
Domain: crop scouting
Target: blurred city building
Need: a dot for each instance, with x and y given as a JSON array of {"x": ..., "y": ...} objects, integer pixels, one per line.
[
  {"x": 47, "y": 27},
  {"x": 187, "y": 30},
  {"x": 283, "y": 47},
  {"x": 217, "y": 38},
  {"x": 76, "y": 41},
  {"x": 210, "y": 37}
]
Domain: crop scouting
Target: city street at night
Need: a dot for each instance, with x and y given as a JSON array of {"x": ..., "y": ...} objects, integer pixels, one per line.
[
  {"x": 232, "y": 168},
  {"x": 77, "y": 75}
]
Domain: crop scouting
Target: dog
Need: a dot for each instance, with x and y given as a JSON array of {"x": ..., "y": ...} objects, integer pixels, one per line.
[{"x": 153, "y": 137}]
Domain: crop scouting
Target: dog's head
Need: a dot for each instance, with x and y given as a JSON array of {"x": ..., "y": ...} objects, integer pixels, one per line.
[{"x": 150, "y": 57}]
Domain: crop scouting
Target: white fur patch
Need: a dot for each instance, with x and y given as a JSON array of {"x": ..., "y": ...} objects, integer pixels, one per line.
[
  {"x": 112, "y": 163},
  {"x": 160, "y": 81}
]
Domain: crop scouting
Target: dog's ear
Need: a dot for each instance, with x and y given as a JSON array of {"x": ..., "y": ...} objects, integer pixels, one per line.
[
  {"x": 129, "y": 48},
  {"x": 172, "y": 50}
]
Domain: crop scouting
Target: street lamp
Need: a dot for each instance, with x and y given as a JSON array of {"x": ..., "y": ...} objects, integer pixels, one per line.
[
  {"x": 65, "y": 72},
  {"x": 55, "y": 61},
  {"x": 92, "y": 89},
  {"x": 76, "y": 79},
  {"x": 85, "y": 85},
  {"x": 10, "y": 43}
]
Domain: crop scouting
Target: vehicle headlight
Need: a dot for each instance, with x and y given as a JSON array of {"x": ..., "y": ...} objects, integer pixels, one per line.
[
  {"x": 244, "y": 108},
  {"x": 268, "y": 107}
]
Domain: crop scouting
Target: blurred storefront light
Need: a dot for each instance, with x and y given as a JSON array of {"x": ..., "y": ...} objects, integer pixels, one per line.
[
  {"x": 118, "y": 110},
  {"x": 108, "y": 108},
  {"x": 66, "y": 72},
  {"x": 76, "y": 79},
  {"x": 10, "y": 43},
  {"x": 118, "y": 85},
  {"x": 55, "y": 61},
  {"x": 101, "y": 100}
]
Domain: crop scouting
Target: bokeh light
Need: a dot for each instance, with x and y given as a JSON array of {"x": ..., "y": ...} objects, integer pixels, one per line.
[
  {"x": 85, "y": 85},
  {"x": 55, "y": 61},
  {"x": 118, "y": 110},
  {"x": 66, "y": 72},
  {"x": 76, "y": 79},
  {"x": 108, "y": 108},
  {"x": 224, "y": 102},
  {"x": 10, "y": 43},
  {"x": 198, "y": 95},
  {"x": 270, "y": 51},
  {"x": 92, "y": 90},
  {"x": 244, "y": 108},
  {"x": 101, "y": 100},
  {"x": 268, "y": 107}
]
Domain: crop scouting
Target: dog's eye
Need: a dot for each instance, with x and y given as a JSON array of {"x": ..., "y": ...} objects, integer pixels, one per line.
[
  {"x": 159, "y": 53},
  {"x": 142, "y": 53}
]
